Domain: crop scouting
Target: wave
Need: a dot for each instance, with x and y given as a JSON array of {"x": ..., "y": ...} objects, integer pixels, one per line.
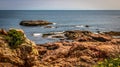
[{"x": 37, "y": 34}]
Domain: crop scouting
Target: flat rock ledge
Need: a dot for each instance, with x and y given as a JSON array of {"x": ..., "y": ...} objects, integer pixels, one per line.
[{"x": 35, "y": 23}]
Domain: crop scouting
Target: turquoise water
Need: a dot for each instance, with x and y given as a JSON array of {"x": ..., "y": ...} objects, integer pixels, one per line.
[{"x": 63, "y": 20}]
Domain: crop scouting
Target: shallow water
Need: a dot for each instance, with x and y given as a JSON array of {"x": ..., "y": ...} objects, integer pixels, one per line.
[{"x": 63, "y": 20}]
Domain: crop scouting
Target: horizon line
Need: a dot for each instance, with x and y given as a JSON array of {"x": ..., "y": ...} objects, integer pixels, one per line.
[{"x": 58, "y": 9}]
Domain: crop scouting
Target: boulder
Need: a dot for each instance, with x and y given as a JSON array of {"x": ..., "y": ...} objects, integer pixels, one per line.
[
  {"x": 25, "y": 54},
  {"x": 34, "y": 23}
]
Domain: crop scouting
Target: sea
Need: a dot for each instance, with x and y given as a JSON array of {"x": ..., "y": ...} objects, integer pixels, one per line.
[{"x": 63, "y": 20}]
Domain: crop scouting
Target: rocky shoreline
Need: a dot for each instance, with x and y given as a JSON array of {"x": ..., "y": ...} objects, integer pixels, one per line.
[{"x": 85, "y": 50}]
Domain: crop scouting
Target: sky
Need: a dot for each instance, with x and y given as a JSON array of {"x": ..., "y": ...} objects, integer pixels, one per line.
[{"x": 59, "y": 4}]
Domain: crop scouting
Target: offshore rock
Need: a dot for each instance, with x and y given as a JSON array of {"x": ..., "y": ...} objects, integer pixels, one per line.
[{"x": 34, "y": 23}]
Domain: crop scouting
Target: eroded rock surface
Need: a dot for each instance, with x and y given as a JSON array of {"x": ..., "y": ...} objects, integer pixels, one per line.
[
  {"x": 25, "y": 55},
  {"x": 85, "y": 50}
]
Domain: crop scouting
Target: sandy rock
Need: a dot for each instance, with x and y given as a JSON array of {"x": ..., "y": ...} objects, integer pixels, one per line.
[{"x": 25, "y": 55}]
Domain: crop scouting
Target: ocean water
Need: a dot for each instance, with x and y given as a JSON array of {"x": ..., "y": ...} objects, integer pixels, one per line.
[{"x": 98, "y": 20}]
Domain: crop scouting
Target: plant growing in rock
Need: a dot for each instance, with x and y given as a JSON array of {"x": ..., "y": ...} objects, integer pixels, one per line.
[
  {"x": 109, "y": 63},
  {"x": 15, "y": 38}
]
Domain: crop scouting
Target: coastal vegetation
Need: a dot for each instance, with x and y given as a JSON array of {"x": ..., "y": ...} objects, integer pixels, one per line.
[
  {"x": 113, "y": 62},
  {"x": 15, "y": 38}
]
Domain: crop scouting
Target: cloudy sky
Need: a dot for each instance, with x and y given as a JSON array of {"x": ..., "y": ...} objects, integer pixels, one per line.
[{"x": 59, "y": 4}]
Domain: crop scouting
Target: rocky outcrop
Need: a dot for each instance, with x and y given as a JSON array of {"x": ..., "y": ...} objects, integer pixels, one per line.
[
  {"x": 83, "y": 36},
  {"x": 25, "y": 55},
  {"x": 82, "y": 54},
  {"x": 85, "y": 50},
  {"x": 35, "y": 23}
]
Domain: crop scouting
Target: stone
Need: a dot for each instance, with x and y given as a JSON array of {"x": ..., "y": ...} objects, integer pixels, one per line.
[
  {"x": 112, "y": 33},
  {"x": 25, "y": 55},
  {"x": 35, "y": 23}
]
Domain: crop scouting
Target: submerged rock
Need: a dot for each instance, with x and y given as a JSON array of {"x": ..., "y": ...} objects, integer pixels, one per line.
[
  {"x": 49, "y": 27},
  {"x": 35, "y": 23},
  {"x": 87, "y": 26},
  {"x": 54, "y": 35}
]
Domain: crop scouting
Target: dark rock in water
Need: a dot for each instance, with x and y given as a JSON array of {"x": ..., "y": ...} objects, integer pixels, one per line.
[
  {"x": 48, "y": 27},
  {"x": 87, "y": 26},
  {"x": 35, "y": 23},
  {"x": 48, "y": 34},
  {"x": 113, "y": 33}
]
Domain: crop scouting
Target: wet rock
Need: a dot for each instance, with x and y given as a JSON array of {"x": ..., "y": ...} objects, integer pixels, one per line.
[
  {"x": 48, "y": 27},
  {"x": 48, "y": 34},
  {"x": 35, "y": 23},
  {"x": 113, "y": 33},
  {"x": 54, "y": 35},
  {"x": 87, "y": 26}
]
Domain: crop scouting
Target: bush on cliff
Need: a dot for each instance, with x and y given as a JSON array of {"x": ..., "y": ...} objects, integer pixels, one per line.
[
  {"x": 110, "y": 63},
  {"x": 15, "y": 38}
]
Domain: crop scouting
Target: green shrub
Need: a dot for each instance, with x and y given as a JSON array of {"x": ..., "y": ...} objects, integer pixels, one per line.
[
  {"x": 15, "y": 38},
  {"x": 109, "y": 63}
]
